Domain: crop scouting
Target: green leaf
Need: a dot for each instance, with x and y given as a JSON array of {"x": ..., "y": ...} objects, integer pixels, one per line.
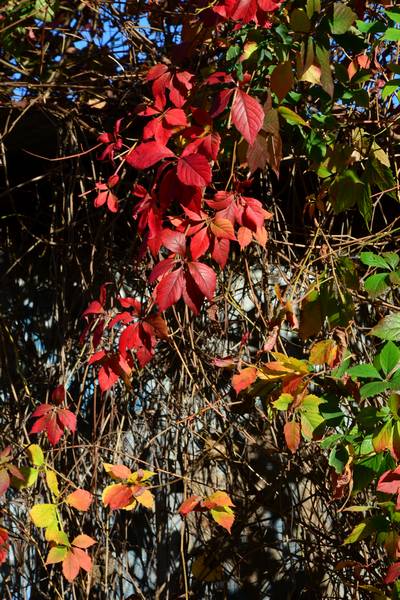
[
  {"x": 366, "y": 370},
  {"x": 373, "y": 389},
  {"x": 283, "y": 402},
  {"x": 370, "y": 26},
  {"x": 394, "y": 383},
  {"x": 391, "y": 34},
  {"x": 338, "y": 459},
  {"x": 391, "y": 258},
  {"x": 388, "y": 328},
  {"x": 291, "y": 117},
  {"x": 373, "y": 260},
  {"x": 389, "y": 357},
  {"x": 376, "y": 284},
  {"x": 393, "y": 14},
  {"x": 367, "y": 528},
  {"x": 312, "y": 7},
  {"x": 345, "y": 190},
  {"x": 323, "y": 57},
  {"x": 310, "y": 421},
  {"x": 44, "y": 10},
  {"x": 43, "y": 515},
  {"x": 364, "y": 203},
  {"x": 343, "y": 18},
  {"x": 390, "y": 87},
  {"x": 233, "y": 52},
  {"x": 310, "y": 404},
  {"x": 30, "y": 477},
  {"x": 299, "y": 21}
]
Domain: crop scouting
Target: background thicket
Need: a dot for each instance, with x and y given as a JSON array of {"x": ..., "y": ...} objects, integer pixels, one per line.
[{"x": 325, "y": 164}]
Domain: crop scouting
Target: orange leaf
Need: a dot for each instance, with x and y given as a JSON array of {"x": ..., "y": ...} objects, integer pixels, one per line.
[
  {"x": 244, "y": 379},
  {"x": 218, "y": 499},
  {"x": 189, "y": 505},
  {"x": 117, "y": 495},
  {"x": 324, "y": 352},
  {"x": 117, "y": 471},
  {"x": 70, "y": 566},
  {"x": 223, "y": 515},
  {"x": 292, "y": 435},
  {"x": 80, "y": 499},
  {"x": 83, "y": 541},
  {"x": 83, "y": 558}
]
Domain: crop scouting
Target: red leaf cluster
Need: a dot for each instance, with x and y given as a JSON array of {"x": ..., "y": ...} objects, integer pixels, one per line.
[
  {"x": 3, "y": 545},
  {"x": 52, "y": 419}
]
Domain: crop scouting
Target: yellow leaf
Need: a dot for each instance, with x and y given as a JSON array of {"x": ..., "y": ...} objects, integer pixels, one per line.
[
  {"x": 52, "y": 483},
  {"x": 141, "y": 475},
  {"x": 43, "y": 515},
  {"x": 145, "y": 498},
  {"x": 36, "y": 455}
]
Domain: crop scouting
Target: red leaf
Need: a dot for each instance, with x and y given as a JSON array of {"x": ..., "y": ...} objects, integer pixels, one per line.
[
  {"x": 94, "y": 308},
  {"x": 58, "y": 394},
  {"x": 292, "y": 435},
  {"x": 53, "y": 430},
  {"x": 392, "y": 574},
  {"x": 129, "y": 339},
  {"x": 189, "y": 505},
  {"x": 67, "y": 418},
  {"x": 97, "y": 357},
  {"x": 247, "y": 115},
  {"x": 148, "y": 154},
  {"x": 175, "y": 117},
  {"x": 204, "y": 277},
  {"x": 244, "y": 379},
  {"x": 199, "y": 243},
  {"x": 191, "y": 294},
  {"x": 161, "y": 268},
  {"x": 174, "y": 241},
  {"x": 107, "y": 378},
  {"x": 194, "y": 169},
  {"x": 80, "y": 499},
  {"x": 40, "y": 425},
  {"x": 70, "y": 566},
  {"x": 220, "y": 251},
  {"x": 220, "y": 102},
  {"x": 41, "y": 410},
  {"x": 389, "y": 482},
  {"x": 169, "y": 289}
]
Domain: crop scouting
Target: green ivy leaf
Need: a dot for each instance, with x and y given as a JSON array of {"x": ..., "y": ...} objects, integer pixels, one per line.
[
  {"x": 391, "y": 34},
  {"x": 389, "y": 357},
  {"x": 366, "y": 370},
  {"x": 343, "y": 18},
  {"x": 373, "y": 389},
  {"x": 388, "y": 328},
  {"x": 373, "y": 260},
  {"x": 367, "y": 528},
  {"x": 376, "y": 284}
]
